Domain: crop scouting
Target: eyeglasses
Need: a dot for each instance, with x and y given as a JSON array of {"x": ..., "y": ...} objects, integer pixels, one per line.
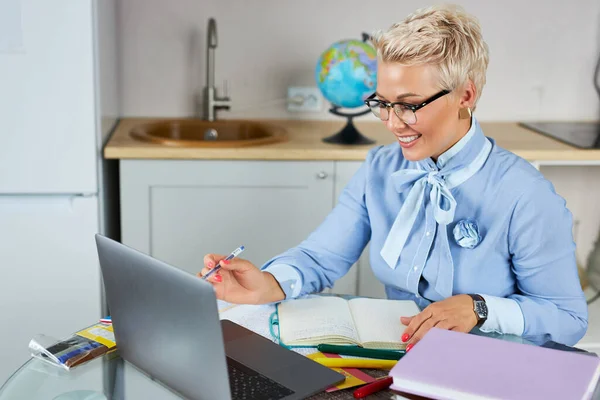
[{"x": 406, "y": 112}]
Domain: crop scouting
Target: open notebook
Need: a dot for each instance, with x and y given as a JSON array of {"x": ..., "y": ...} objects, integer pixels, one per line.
[{"x": 370, "y": 323}]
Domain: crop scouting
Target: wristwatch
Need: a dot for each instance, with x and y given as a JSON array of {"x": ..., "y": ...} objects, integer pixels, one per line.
[{"x": 480, "y": 308}]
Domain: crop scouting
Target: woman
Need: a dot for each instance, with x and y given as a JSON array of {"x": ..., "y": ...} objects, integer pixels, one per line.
[{"x": 472, "y": 233}]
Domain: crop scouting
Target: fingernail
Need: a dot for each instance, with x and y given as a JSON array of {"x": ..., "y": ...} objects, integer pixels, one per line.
[
  {"x": 218, "y": 278},
  {"x": 405, "y": 337},
  {"x": 225, "y": 261},
  {"x": 410, "y": 346},
  {"x": 210, "y": 264}
]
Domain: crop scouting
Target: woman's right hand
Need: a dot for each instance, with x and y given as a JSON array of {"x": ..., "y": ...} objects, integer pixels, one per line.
[{"x": 240, "y": 281}]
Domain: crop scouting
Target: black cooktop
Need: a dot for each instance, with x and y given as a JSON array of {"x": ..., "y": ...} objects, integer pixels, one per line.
[{"x": 585, "y": 135}]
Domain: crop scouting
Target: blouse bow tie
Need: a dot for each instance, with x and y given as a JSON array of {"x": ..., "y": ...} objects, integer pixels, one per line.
[{"x": 443, "y": 204}]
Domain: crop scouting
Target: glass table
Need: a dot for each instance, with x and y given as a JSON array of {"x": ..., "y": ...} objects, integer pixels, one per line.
[
  {"x": 36, "y": 379},
  {"x": 104, "y": 379}
]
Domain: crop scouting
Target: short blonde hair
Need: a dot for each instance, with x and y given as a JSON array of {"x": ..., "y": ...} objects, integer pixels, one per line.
[{"x": 444, "y": 36}]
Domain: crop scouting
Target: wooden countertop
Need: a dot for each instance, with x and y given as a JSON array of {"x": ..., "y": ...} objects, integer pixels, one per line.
[{"x": 304, "y": 143}]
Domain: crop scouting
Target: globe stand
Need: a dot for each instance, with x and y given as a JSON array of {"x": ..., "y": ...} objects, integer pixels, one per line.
[{"x": 349, "y": 135}]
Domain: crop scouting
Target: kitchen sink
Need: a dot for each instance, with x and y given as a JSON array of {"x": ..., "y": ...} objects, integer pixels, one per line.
[{"x": 202, "y": 133}]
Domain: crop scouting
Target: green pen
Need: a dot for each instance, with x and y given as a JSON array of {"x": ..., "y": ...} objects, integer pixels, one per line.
[{"x": 361, "y": 352}]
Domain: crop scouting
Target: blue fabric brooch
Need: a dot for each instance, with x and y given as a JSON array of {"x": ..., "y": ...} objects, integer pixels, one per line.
[{"x": 466, "y": 234}]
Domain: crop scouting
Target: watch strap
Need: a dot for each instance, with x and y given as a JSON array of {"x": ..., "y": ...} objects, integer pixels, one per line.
[{"x": 477, "y": 297}]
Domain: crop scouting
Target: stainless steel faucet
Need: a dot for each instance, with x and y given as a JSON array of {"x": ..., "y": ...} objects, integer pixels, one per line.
[{"x": 212, "y": 103}]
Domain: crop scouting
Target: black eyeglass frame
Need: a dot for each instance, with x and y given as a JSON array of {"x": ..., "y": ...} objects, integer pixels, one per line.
[{"x": 412, "y": 107}]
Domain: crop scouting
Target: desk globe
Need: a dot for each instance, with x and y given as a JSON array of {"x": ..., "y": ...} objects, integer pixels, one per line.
[{"x": 346, "y": 75}]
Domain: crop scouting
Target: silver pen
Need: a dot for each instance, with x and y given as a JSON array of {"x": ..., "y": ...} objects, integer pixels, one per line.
[{"x": 217, "y": 267}]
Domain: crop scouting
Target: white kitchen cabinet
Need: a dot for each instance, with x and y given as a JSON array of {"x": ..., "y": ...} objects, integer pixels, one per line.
[
  {"x": 360, "y": 280},
  {"x": 178, "y": 211}
]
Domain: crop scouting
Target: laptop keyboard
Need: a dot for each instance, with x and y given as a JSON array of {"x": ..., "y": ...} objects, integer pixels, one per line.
[{"x": 247, "y": 384}]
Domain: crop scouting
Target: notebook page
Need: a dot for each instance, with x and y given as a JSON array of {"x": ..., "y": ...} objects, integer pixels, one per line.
[
  {"x": 378, "y": 320},
  {"x": 316, "y": 317},
  {"x": 253, "y": 317},
  {"x": 223, "y": 306}
]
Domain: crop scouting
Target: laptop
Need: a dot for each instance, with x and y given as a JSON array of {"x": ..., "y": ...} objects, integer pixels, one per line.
[{"x": 166, "y": 323}]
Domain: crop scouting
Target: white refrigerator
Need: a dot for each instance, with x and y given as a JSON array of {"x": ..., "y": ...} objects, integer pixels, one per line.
[{"x": 58, "y": 104}]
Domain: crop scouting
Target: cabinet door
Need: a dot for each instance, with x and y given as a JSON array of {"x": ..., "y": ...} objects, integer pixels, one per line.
[
  {"x": 360, "y": 280},
  {"x": 178, "y": 211},
  {"x": 50, "y": 274}
]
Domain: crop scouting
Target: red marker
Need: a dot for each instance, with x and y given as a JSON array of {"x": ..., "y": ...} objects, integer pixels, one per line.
[{"x": 373, "y": 387}]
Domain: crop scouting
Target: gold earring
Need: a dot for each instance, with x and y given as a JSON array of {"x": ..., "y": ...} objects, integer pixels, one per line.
[{"x": 464, "y": 113}]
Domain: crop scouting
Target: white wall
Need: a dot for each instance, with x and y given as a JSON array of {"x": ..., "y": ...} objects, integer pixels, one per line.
[{"x": 542, "y": 52}]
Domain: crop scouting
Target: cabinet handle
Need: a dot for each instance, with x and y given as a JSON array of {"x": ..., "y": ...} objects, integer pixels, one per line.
[{"x": 322, "y": 175}]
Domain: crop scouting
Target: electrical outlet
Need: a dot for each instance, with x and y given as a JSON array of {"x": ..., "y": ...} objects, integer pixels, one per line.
[{"x": 304, "y": 99}]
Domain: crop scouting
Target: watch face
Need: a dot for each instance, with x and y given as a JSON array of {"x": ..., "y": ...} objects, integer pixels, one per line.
[{"x": 481, "y": 309}]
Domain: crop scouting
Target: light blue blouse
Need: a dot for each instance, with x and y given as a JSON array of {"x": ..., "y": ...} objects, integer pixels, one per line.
[{"x": 513, "y": 244}]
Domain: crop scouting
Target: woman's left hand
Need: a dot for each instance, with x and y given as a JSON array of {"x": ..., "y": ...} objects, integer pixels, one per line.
[{"x": 454, "y": 313}]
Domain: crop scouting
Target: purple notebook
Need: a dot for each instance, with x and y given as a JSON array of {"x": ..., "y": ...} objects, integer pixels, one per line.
[{"x": 453, "y": 365}]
